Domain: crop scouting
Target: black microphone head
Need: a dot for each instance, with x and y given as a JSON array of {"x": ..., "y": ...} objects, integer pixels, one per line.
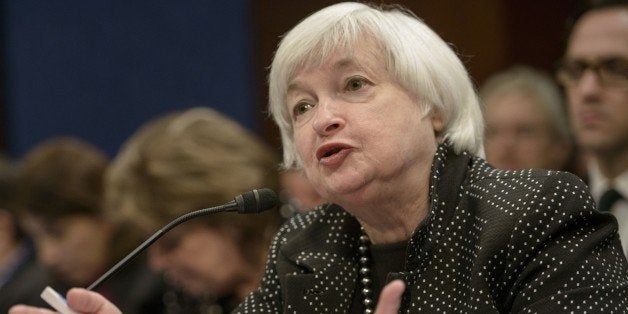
[{"x": 256, "y": 201}]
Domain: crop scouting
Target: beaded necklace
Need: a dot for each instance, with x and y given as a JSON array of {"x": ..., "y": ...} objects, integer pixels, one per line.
[{"x": 365, "y": 274}]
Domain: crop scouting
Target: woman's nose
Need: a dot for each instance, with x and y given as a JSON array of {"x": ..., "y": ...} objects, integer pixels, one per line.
[{"x": 327, "y": 119}]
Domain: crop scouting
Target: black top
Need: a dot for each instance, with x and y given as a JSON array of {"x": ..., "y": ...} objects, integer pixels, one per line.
[
  {"x": 25, "y": 282},
  {"x": 494, "y": 241},
  {"x": 385, "y": 259}
]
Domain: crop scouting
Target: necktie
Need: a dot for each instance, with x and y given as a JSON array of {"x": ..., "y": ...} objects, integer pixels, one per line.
[{"x": 608, "y": 199}]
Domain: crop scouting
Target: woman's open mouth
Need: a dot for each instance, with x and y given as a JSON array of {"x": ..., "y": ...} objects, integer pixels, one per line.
[{"x": 331, "y": 154}]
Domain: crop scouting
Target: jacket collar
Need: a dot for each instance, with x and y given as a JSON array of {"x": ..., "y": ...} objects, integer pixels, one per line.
[{"x": 449, "y": 171}]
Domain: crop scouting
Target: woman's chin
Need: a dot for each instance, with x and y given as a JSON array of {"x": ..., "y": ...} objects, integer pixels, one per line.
[{"x": 348, "y": 193}]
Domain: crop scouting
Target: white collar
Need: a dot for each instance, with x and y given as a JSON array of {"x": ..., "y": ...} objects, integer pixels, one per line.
[{"x": 599, "y": 184}]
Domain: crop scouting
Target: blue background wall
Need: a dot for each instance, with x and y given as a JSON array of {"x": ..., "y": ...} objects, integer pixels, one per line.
[{"x": 99, "y": 69}]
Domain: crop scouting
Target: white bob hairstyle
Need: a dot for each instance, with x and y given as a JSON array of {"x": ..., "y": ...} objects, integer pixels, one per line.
[{"x": 416, "y": 56}]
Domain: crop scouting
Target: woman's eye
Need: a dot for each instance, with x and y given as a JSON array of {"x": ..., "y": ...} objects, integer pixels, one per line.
[
  {"x": 355, "y": 84},
  {"x": 300, "y": 108}
]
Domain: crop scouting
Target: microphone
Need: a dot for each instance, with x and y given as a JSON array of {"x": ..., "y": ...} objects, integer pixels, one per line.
[{"x": 254, "y": 201}]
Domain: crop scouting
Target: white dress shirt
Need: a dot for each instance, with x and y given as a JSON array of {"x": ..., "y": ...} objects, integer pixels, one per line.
[{"x": 599, "y": 184}]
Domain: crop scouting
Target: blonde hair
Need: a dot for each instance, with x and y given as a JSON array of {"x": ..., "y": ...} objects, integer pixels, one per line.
[{"x": 191, "y": 160}]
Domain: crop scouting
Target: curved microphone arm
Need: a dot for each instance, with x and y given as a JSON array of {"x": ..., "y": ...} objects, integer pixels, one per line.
[
  {"x": 254, "y": 201},
  {"x": 231, "y": 206}
]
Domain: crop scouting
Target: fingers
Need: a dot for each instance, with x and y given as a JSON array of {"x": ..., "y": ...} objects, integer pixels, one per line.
[
  {"x": 25, "y": 309},
  {"x": 80, "y": 300},
  {"x": 390, "y": 298},
  {"x": 90, "y": 302}
]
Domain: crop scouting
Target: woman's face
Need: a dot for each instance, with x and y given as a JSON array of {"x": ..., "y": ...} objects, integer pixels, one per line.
[
  {"x": 519, "y": 135},
  {"x": 74, "y": 249},
  {"x": 357, "y": 131},
  {"x": 200, "y": 260}
]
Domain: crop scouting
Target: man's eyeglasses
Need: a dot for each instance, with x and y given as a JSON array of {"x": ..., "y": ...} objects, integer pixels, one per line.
[{"x": 610, "y": 72}]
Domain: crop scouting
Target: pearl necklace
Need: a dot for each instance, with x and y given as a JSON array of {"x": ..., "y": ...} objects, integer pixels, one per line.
[{"x": 365, "y": 273}]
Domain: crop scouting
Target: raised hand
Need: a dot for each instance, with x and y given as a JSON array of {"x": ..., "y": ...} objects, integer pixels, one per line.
[
  {"x": 79, "y": 299},
  {"x": 390, "y": 297}
]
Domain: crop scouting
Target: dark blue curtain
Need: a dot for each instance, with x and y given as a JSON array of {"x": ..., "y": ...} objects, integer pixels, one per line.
[{"x": 99, "y": 69}]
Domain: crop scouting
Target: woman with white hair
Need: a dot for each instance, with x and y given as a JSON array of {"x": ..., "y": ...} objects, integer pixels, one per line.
[
  {"x": 526, "y": 123},
  {"x": 382, "y": 118}
]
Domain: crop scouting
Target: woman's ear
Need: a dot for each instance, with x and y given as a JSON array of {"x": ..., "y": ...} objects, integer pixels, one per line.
[{"x": 437, "y": 123}]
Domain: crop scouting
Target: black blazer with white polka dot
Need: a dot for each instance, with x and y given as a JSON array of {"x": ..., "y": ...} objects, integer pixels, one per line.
[{"x": 495, "y": 241}]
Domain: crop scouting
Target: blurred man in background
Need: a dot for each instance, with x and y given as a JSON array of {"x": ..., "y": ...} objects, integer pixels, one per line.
[{"x": 594, "y": 72}]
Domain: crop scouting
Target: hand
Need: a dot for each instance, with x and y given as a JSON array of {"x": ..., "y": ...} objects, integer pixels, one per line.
[
  {"x": 25, "y": 309},
  {"x": 390, "y": 297},
  {"x": 80, "y": 300}
]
